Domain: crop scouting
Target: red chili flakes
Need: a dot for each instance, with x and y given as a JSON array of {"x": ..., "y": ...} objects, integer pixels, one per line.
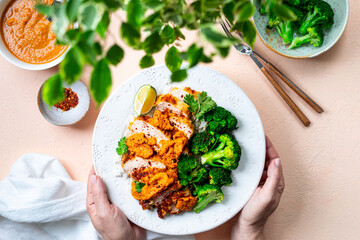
[{"x": 71, "y": 100}]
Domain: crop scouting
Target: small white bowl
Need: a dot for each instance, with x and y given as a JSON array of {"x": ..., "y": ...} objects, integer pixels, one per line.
[
  {"x": 4, "y": 51},
  {"x": 65, "y": 118}
]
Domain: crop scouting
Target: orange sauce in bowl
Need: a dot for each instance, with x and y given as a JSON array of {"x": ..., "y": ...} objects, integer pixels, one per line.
[{"x": 27, "y": 33}]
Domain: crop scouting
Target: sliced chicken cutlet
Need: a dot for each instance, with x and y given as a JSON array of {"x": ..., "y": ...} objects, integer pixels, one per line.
[
  {"x": 136, "y": 163},
  {"x": 156, "y": 184},
  {"x": 173, "y": 104},
  {"x": 141, "y": 126},
  {"x": 155, "y": 142},
  {"x": 176, "y": 202},
  {"x": 180, "y": 93}
]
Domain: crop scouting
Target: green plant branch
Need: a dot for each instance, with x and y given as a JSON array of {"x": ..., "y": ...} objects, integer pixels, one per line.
[{"x": 164, "y": 18}]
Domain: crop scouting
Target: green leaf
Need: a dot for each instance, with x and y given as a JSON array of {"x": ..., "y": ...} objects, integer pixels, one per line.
[
  {"x": 100, "y": 81},
  {"x": 152, "y": 44},
  {"x": 194, "y": 55},
  {"x": 248, "y": 31},
  {"x": 135, "y": 13},
  {"x": 284, "y": 12},
  {"x": 147, "y": 61},
  {"x": 172, "y": 59},
  {"x": 52, "y": 91},
  {"x": 103, "y": 25},
  {"x": 98, "y": 48},
  {"x": 115, "y": 55},
  {"x": 90, "y": 15},
  {"x": 72, "y": 8},
  {"x": 223, "y": 52},
  {"x": 155, "y": 5},
  {"x": 152, "y": 20},
  {"x": 168, "y": 34},
  {"x": 192, "y": 103},
  {"x": 72, "y": 66},
  {"x": 122, "y": 147},
  {"x": 73, "y": 35},
  {"x": 130, "y": 35},
  {"x": 60, "y": 22},
  {"x": 88, "y": 37},
  {"x": 246, "y": 11},
  {"x": 44, "y": 9},
  {"x": 178, "y": 33},
  {"x": 229, "y": 10},
  {"x": 206, "y": 105},
  {"x": 212, "y": 35},
  {"x": 139, "y": 186},
  {"x": 111, "y": 4},
  {"x": 86, "y": 44},
  {"x": 179, "y": 75}
]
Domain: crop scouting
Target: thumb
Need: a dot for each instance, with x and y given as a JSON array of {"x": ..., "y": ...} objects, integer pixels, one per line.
[
  {"x": 98, "y": 191},
  {"x": 275, "y": 181}
]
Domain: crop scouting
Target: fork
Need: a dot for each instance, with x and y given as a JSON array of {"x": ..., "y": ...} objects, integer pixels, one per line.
[{"x": 243, "y": 48}]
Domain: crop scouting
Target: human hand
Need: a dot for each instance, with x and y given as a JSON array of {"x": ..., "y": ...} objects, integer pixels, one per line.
[
  {"x": 106, "y": 217},
  {"x": 249, "y": 223}
]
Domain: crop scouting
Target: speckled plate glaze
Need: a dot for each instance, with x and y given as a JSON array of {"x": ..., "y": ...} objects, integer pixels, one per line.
[
  {"x": 273, "y": 41},
  {"x": 112, "y": 123}
]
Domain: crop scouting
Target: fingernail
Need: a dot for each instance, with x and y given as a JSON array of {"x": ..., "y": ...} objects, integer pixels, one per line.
[
  {"x": 93, "y": 179},
  {"x": 277, "y": 162}
]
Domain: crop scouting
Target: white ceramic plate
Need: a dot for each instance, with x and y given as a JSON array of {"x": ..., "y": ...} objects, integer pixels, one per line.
[
  {"x": 74, "y": 115},
  {"x": 112, "y": 123}
]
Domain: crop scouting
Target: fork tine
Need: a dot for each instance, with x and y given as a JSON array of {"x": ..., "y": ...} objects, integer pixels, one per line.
[
  {"x": 226, "y": 30},
  {"x": 228, "y": 23}
]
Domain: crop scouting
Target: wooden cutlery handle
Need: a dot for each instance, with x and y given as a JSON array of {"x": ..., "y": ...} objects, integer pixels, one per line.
[
  {"x": 287, "y": 99},
  {"x": 301, "y": 94}
]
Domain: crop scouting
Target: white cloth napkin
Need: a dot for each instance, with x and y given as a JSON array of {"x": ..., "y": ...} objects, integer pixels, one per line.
[{"x": 39, "y": 200}]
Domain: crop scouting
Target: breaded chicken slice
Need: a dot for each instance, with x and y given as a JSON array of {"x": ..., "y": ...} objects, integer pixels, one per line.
[
  {"x": 173, "y": 104},
  {"x": 180, "y": 93},
  {"x": 141, "y": 126}
]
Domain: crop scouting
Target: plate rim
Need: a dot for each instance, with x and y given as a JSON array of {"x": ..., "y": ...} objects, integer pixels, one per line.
[
  {"x": 314, "y": 54},
  {"x": 219, "y": 223}
]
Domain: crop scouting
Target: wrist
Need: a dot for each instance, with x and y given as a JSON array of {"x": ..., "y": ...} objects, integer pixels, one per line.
[{"x": 248, "y": 232}]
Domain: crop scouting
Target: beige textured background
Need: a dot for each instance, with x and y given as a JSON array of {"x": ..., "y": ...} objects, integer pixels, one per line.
[{"x": 321, "y": 163}]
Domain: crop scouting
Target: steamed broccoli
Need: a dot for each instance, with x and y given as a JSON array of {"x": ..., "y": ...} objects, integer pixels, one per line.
[
  {"x": 220, "y": 120},
  {"x": 190, "y": 170},
  {"x": 206, "y": 194},
  {"x": 226, "y": 155},
  {"x": 319, "y": 14},
  {"x": 285, "y": 28},
  {"x": 220, "y": 176},
  {"x": 315, "y": 37},
  {"x": 202, "y": 142}
]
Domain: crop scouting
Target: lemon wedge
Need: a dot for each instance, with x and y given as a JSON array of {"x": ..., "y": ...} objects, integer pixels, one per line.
[{"x": 144, "y": 99}]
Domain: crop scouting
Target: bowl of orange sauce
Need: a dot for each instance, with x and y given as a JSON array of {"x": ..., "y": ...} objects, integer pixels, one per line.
[{"x": 27, "y": 39}]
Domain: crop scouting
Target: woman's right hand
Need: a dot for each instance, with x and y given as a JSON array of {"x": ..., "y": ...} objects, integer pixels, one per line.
[{"x": 249, "y": 223}]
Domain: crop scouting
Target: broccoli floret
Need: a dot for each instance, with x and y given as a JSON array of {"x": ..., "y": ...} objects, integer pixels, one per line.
[
  {"x": 286, "y": 28},
  {"x": 319, "y": 14},
  {"x": 315, "y": 37},
  {"x": 202, "y": 142},
  {"x": 220, "y": 176},
  {"x": 186, "y": 163},
  {"x": 226, "y": 155},
  {"x": 190, "y": 170},
  {"x": 220, "y": 120},
  {"x": 206, "y": 194}
]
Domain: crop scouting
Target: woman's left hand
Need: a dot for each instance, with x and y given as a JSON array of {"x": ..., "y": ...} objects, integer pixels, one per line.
[{"x": 106, "y": 217}]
